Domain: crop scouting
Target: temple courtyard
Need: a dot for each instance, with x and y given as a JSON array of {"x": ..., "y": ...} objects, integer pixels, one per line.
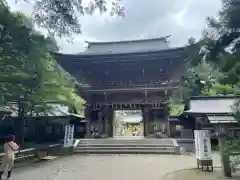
[{"x": 116, "y": 167}]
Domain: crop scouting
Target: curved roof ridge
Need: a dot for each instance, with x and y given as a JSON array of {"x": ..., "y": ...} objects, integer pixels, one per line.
[
  {"x": 121, "y": 53},
  {"x": 126, "y": 41}
]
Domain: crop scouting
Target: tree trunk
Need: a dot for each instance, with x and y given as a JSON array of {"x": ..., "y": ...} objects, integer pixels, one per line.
[{"x": 224, "y": 157}]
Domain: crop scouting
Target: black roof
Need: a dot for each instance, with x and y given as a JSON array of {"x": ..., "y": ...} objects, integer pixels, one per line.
[
  {"x": 83, "y": 55},
  {"x": 127, "y": 41},
  {"x": 215, "y": 97},
  {"x": 101, "y": 70},
  {"x": 3, "y": 110}
]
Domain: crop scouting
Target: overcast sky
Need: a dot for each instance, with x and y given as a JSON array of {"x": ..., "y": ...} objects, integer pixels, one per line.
[{"x": 144, "y": 19}]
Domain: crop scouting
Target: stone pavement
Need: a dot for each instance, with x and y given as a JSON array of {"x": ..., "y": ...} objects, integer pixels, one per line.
[
  {"x": 108, "y": 167},
  {"x": 194, "y": 174}
]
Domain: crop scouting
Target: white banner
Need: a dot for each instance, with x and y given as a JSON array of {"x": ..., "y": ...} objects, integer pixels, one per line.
[
  {"x": 203, "y": 145},
  {"x": 69, "y": 133},
  {"x": 196, "y": 138}
]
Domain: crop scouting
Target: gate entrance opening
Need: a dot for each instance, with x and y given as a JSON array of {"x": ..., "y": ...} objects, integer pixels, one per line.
[{"x": 128, "y": 123}]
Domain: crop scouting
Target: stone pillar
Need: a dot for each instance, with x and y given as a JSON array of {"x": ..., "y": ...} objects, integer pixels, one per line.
[
  {"x": 87, "y": 113},
  {"x": 145, "y": 117}
]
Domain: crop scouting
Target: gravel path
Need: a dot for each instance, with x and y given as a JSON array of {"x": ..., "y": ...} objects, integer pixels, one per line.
[{"x": 107, "y": 167}]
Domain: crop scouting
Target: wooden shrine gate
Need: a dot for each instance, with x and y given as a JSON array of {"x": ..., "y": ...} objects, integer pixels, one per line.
[{"x": 133, "y": 75}]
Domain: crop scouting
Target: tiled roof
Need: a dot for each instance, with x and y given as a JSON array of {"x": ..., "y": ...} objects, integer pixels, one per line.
[
  {"x": 127, "y": 46},
  {"x": 221, "y": 119},
  {"x": 211, "y": 105},
  {"x": 111, "y": 55},
  {"x": 55, "y": 110},
  {"x": 4, "y": 110},
  {"x": 127, "y": 41}
]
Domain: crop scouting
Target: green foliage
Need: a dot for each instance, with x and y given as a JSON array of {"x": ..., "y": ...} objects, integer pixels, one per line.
[
  {"x": 221, "y": 89},
  {"x": 223, "y": 51},
  {"x": 29, "y": 75},
  {"x": 62, "y": 17},
  {"x": 176, "y": 109},
  {"x": 236, "y": 109},
  {"x": 232, "y": 144},
  {"x": 213, "y": 66}
]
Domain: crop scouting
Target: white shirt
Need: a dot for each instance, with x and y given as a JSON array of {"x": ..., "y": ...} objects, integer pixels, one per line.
[{"x": 9, "y": 149}]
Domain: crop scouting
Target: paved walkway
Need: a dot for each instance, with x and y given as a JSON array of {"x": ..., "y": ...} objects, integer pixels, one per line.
[
  {"x": 107, "y": 167},
  {"x": 193, "y": 174}
]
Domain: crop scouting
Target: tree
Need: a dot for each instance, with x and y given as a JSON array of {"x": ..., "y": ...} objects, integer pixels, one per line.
[
  {"x": 62, "y": 17},
  {"x": 223, "y": 47},
  {"x": 213, "y": 65},
  {"x": 29, "y": 75}
]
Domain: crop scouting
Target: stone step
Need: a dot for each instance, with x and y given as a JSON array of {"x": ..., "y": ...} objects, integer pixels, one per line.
[
  {"x": 126, "y": 141},
  {"x": 126, "y": 145},
  {"x": 123, "y": 151}
]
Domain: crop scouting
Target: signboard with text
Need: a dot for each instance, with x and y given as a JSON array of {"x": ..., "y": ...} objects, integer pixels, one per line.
[
  {"x": 203, "y": 144},
  {"x": 196, "y": 143},
  {"x": 69, "y": 133}
]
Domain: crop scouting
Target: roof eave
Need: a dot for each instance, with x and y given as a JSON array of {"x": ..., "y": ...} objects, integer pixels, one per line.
[
  {"x": 126, "y": 41},
  {"x": 208, "y": 113},
  {"x": 214, "y": 97}
]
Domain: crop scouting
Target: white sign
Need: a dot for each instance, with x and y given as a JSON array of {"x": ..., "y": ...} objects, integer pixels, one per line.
[
  {"x": 196, "y": 143},
  {"x": 68, "y": 138},
  {"x": 203, "y": 144}
]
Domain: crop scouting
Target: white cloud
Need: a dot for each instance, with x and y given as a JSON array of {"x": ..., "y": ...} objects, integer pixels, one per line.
[{"x": 144, "y": 19}]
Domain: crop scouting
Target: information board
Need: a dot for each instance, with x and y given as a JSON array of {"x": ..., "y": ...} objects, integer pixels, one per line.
[
  {"x": 203, "y": 144},
  {"x": 68, "y": 138}
]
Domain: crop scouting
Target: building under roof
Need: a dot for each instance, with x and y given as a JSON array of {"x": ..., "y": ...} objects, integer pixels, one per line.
[
  {"x": 218, "y": 109},
  {"x": 138, "y": 74}
]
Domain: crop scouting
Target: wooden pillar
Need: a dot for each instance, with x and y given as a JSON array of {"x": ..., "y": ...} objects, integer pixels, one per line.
[
  {"x": 110, "y": 121},
  {"x": 87, "y": 113},
  {"x": 166, "y": 109},
  {"x": 107, "y": 112},
  {"x": 145, "y": 117},
  {"x": 106, "y": 126},
  {"x": 100, "y": 122},
  {"x": 104, "y": 120}
]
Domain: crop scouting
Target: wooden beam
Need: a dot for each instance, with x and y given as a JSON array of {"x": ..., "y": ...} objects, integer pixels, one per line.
[{"x": 131, "y": 89}]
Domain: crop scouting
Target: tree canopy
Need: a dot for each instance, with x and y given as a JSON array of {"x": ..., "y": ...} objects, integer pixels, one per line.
[
  {"x": 30, "y": 77},
  {"x": 213, "y": 65},
  {"x": 63, "y": 17},
  {"x": 27, "y": 66}
]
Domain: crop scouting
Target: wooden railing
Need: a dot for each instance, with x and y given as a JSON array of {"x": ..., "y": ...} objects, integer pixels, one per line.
[{"x": 33, "y": 152}]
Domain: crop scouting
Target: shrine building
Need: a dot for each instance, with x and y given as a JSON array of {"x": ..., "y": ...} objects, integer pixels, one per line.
[{"x": 126, "y": 75}]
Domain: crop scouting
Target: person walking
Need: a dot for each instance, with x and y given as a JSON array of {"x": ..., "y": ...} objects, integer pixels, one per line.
[{"x": 9, "y": 155}]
